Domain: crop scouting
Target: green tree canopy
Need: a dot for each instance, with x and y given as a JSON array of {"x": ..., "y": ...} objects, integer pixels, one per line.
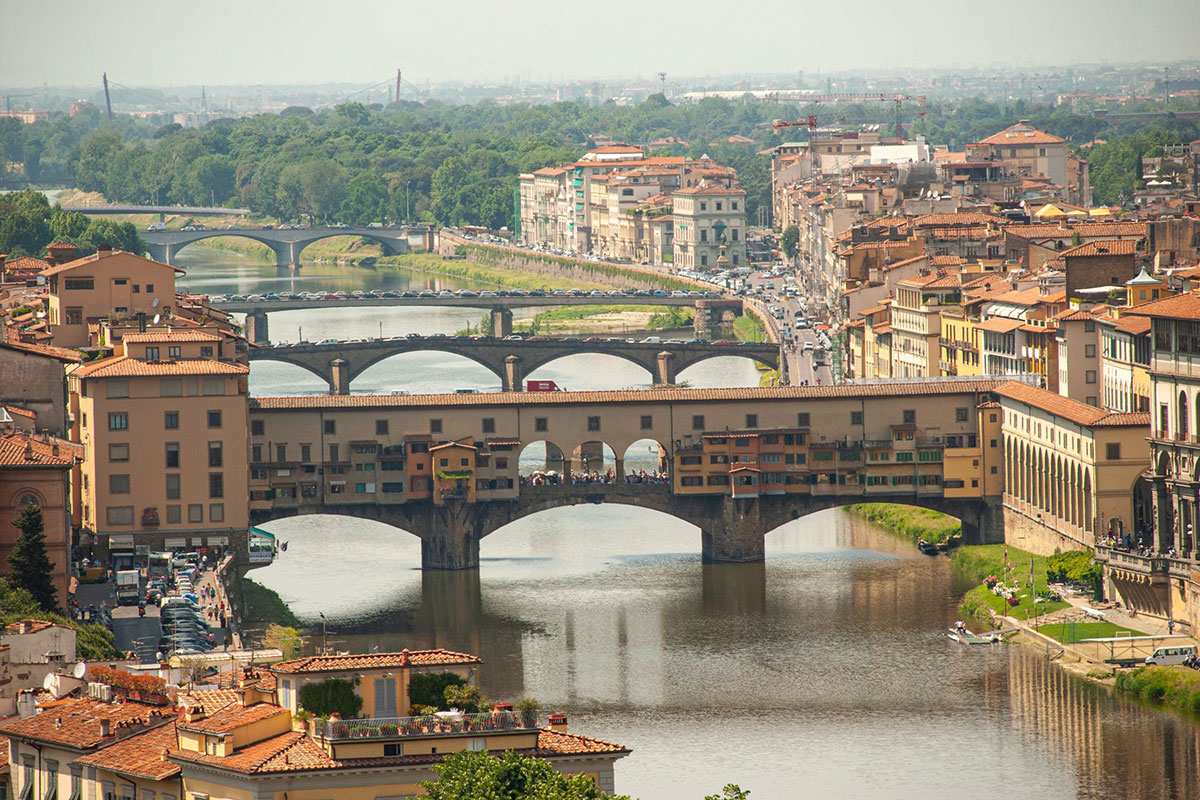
[
  {"x": 475, "y": 775},
  {"x": 28, "y": 566},
  {"x": 333, "y": 695}
]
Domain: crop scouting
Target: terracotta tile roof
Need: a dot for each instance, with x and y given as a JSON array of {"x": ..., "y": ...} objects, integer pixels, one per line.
[
  {"x": 60, "y": 353},
  {"x": 1019, "y": 134},
  {"x": 1118, "y": 247},
  {"x": 551, "y": 171},
  {"x": 1025, "y": 297},
  {"x": 142, "y": 756},
  {"x": 1180, "y": 306},
  {"x": 210, "y": 700},
  {"x": 228, "y": 680},
  {"x": 1134, "y": 325},
  {"x": 35, "y": 625},
  {"x": 231, "y": 718},
  {"x": 1065, "y": 407},
  {"x": 21, "y": 412},
  {"x": 489, "y": 399},
  {"x": 907, "y": 261},
  {"x": 947, "y": 261},
  {"x": 367, "y": 661},
  {"x": 25, "y": 265},
  {"x": 89, "y": 261},
  {"x": 1102, "y": 229},
  {"x": 19, "y": 449},
  {"x": 293, "y": 751},
  {"x": 711, "y": 189},
  {"x": 965, "y": 218},
  {"x": 122, "y": 366},
  {"x": 1074, "y": 315},
  {"x": 169, "y": 335},
  {"x": 75, "y": 722},
  {"x": 999, "y": 325},
  {"x": 553, "y": 742}
]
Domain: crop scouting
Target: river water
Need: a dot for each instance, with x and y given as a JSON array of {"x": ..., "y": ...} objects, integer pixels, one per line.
[{"x": 821, "y": 673}]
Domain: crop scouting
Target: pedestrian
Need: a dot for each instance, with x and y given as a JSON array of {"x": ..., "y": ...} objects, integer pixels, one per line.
[{"x": 1170, "y": 627}]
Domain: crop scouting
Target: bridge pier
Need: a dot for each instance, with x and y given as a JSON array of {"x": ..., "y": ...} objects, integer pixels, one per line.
[
  {"x": 339, "y": 376},
  {"x": 256, "y": 329},
  {"x": 666, "y": 369},
  {"x": 452, "y": 541},
  {"x": 501, "y": 322},
  {"x": 286, "y": 255},
  {"x": 514, "y": 374},
  {"x": 737, "y": 535}
]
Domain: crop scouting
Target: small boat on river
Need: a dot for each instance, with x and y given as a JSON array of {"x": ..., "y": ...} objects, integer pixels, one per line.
[{"x": 928, "y": 548}]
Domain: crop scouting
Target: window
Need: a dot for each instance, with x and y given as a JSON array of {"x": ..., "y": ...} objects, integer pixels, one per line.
[
  {"x": 216, "y": 512},
  {"x": 173, "y": 351},
  {"x": 306, "y": 453},
  {"x": 118, "y": 484},
  {"x": 79, "y": 284},
  {"x": 960, "y": 415},
  {"x": 119, "y": 515},
  {"x": 172, "y": 455},
  {"x": 393, "y": 749},
  {"x": 214, "y": 419},
  {"x": 381, "y": 427},
  {"x": 195, "y": 512},
  {"x": 118, "y": 452},
  {"x": 1112, "y": 451},
  {"x": 385, "y": 697},
  {"x": 280, "y": 454},
  {"x": 333, "y": 452},
  {"x": 704, "y": 206},
  {"x": 74, "y": 316},
  {"x": 1089, "y": 351},
  {"x": 256, "y": 427},
  {"x": 910, "y": 416},
  {"x": 803, "y": 419},
  {"x": 76, "y": 782},
  {"x": 256, "y": 454},
  {"x": 593, "y": 423},
  {"x": 118, "y": 421},
  {"x": 170, "y": 420},
  {"x": 697, "y": 422},
  {"x": 51, "y": 780},
  {"x": 1090, "y": 376},
  {"x": 541, "y": 424},
  {"x": 216, "y": 484},
  {"x": 172, "y": 486},
  {"x": 152, "y": 353},
  {"x": 213, "y": 387},
  {"x": 856, "y": 418},
  {"x": 330, "y": 426},
  {"x": 752, "y": 420},
  {"x": 647, "y": 422},
  {"x": 435, "y": 426},
  {"x": 489, "y": 424},
  {"x": 116, "y": 389}
]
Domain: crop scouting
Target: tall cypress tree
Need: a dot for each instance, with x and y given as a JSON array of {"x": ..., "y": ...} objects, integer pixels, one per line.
[{"x": 28, "y": 566}]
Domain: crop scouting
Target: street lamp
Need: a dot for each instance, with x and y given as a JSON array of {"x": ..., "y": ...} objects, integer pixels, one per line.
[{"x": 406, "y": 210}]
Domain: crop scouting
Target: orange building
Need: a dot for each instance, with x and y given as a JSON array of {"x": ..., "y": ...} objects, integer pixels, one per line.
[{"x": 36, "y": 469}]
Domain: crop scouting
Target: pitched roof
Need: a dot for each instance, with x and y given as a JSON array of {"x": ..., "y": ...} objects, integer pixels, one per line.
[
  {"x": 1134, "y": 325},
  {"x": 1118, "y": 247},
  {"x": 125, "y": 367},
  {"x": 716, "y": 188},
  {"x": 75, "y": 722},
  {"x": 553, "y": 742},
  {"x": 169, "y": 335},
  {"x": 636, "y": 396},
  {"x": 366, "y": 661},
  {"x": 142, "y": 755},
  {"x": 999, "y": 325},
  {"x": 35, "y": 625},
  {"x": 1021, "y": 133},
  {"x": 231, "y": 718},
  {"x": 1180, "y": 306},
  {"x": 1065, "y": 407},
  {"x": 45, "y": 350},
  {"x": 94, "y": 258},
  {"x": 964, "y": 218},
  {"x": 20, "y": 449},
  {"x": 293, "y": 751}
]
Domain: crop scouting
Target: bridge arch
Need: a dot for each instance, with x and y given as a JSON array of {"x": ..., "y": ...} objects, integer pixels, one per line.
[
  {"x": 700, "y": 357},
  {"x": 287, "y": 248},
  {"x": 534, "y": 364},
  {"x": 428, "y": 346},
  {"x": 540, "y": 456},
  {"x": 283, "y": 358}
]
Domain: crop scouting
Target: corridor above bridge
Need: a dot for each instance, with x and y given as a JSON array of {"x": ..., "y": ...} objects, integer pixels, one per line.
[{"x": 339, "y": 363}]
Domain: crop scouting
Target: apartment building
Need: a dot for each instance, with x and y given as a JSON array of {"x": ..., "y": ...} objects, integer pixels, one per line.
[
  {"x": 109, "y": 283},
  {"x": 917, "y": 322},
  {"x": 1026, "y": 151},
  {"x": 1125, "y": 362},
  {"x": 1077, "y": 341},
  {"x": 35, "y": 469},
  {"x": 710, "y": 224},
  {"x": 164, "y": 427}
]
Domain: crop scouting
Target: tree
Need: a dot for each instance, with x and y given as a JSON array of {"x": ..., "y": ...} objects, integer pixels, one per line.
[
  {"x": 28, "y": 566},
  {"x": 471, "y": 775},
  {"x": 322, "y": 187},
  {"x": 731, "y": 792},
  {"x": 429, "y": 688},
  {"x": 285, "y": 639},
  {"x": 366, "y": 200},
  {"x": 466, "y": 697},
  {"x": 331, "y": 696},
  {"x": 789, "y": 240}
]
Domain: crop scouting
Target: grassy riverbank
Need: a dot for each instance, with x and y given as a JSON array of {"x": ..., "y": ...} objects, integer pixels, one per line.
[
  {"x": 981, "y": 561},
  {"x": 1177, "y": 687},
  {"x": 467, "y": 270},
  {"x": 262, "y": 606},
  {"x": 909, "y": 522},
  {"x": 747, "y": 328}
]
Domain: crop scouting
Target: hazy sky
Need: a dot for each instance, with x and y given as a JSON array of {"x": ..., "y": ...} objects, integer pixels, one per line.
[{"x": 166, "y": 42}]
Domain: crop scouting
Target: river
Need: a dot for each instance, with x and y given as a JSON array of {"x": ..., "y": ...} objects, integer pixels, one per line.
[{"x": 821, "y": 673}]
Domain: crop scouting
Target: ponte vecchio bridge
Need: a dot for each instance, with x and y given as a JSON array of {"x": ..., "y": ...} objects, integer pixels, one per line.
[{"x": 740, "y": 462}]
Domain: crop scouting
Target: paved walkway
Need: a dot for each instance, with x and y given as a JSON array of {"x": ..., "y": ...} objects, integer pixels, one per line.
[{"x": 214, "y": 606}]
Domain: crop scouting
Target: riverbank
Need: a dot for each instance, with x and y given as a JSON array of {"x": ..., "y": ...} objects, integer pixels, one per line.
[{"x": 909, "y": 522}]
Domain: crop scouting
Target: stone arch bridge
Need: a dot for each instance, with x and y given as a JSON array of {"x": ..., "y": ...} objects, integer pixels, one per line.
[
  {"x": 338, "y": 364},
  {"x": 287, "y": 243}
]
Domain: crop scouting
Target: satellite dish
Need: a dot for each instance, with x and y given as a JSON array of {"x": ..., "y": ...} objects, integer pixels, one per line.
[
  {"x": 155, "y": 303},
  {"x": 48, "y": 681},
  {"x": 157, "y": 317},
  {"x": 79, "y": 670}
]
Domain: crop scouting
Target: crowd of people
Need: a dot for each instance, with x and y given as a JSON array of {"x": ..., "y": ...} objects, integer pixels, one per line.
[{"x": 608, "y": 476}]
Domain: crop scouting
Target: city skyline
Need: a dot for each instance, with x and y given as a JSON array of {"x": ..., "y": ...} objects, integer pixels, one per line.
[{"x": 148, "y": 44}]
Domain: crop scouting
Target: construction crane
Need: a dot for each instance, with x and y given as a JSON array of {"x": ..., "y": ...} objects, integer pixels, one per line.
[
  {"x": 8, "y": 100},
  {"x": 856, "y": 97},
  {"x": 811, "y": 122}
]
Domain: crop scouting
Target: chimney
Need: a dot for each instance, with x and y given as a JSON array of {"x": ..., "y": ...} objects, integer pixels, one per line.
[
  {"x": 104, "y": 250},
  {"x": 26, "y": 625},
  {"x": 61, "y": 252},
  {"x": 105, "y": 727},
  {"x": 558, "y": 723}
]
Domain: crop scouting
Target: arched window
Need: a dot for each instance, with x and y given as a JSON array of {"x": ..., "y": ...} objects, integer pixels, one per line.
[
  {"x": 29, "y": 499},
  {"x": 1182, "y": 415}
]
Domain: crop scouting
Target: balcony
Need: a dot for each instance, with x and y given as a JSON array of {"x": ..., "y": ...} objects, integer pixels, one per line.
[
  {"x": 1155, "y": 565},
  {"x": 441, "y": 724}
]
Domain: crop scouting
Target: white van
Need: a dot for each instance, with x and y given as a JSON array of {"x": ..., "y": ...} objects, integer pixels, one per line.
[
  {"x": 1171, "y": 655},
  {"x": 653, "y": 340},
  {"x": 157, "y": 226}
]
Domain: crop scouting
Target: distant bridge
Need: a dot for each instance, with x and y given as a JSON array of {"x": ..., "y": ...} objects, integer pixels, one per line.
[
  {"x": 286, "y": 242},
  {"x": 183, "y": 211},
  {"x": 340, "y": 363}
]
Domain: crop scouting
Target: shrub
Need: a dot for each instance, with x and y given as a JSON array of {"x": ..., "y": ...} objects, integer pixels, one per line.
[
  {"x": 332, "y": 696},
  {"x": 429, "y": 688}
]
